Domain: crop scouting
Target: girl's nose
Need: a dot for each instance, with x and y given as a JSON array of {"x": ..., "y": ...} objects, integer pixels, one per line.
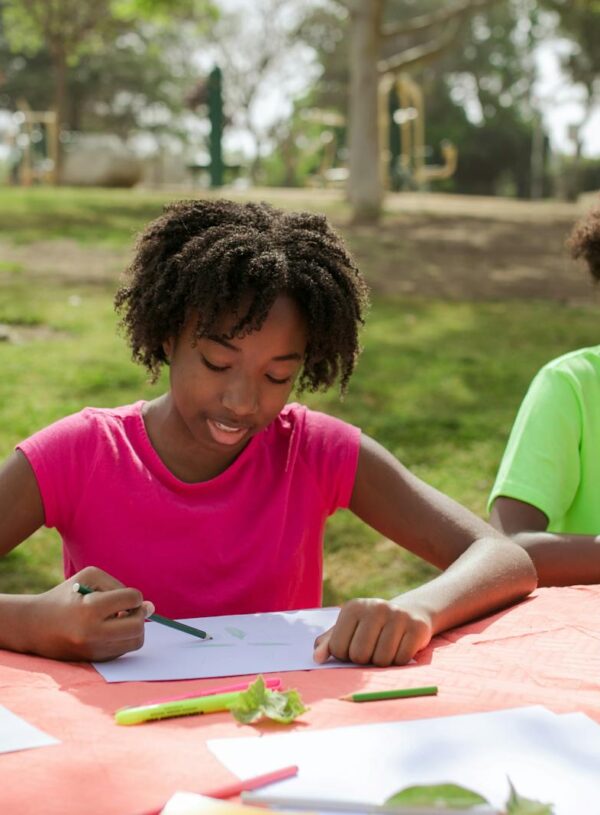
[{"x": 240, "y": 396}]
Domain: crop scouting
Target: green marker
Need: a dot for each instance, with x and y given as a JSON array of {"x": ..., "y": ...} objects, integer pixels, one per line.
[
  {"x": 80, "y": 588},
  {"x": 400, "y": 693},
  {"x": 181, "y": 707}
]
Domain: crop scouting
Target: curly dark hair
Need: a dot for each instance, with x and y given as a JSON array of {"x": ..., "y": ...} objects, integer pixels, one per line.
[
  {"x": 584, "y": 241},
  {"x": 208, "y": 257}
]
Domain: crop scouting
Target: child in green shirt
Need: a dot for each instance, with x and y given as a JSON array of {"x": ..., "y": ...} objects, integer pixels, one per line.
[{"x": 547, "y": 491}]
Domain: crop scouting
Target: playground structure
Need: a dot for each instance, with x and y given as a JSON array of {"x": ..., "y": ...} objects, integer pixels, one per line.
[
  {"x": 207, "y": 97},
  {"x": 401, "y": 107},
  {"x": 402, "y": 140},
  {"x": 35, "y": 146},
  {"x": 330, "y": 172},
  {"x": 97, "y": 159}
]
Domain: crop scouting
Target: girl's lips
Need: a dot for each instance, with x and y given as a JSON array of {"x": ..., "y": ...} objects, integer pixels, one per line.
[{"x": 225, "y": 434}]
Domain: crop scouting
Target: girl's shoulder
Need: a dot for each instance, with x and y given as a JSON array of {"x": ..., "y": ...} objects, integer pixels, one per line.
[
  {"x": 318, "y": 449},
  {"x": 108, "y": 414},
  {"x": 115, "y": 417},
  {"x": 313, "y": 435},
  {"x": 297, "y": 418},
  {"x": 88, "y": 423}
]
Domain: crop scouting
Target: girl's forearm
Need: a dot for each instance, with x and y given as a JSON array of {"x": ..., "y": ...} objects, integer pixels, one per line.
[
  {"x": 491, "y": 574},
  {"x": 562, "y": 560}
]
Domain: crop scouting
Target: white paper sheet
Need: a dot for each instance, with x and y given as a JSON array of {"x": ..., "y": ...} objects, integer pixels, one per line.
[
  {"x": 554, "y": 759},
  {"x": 17, "y": 734},
  {"x": 241, "y": 644}
]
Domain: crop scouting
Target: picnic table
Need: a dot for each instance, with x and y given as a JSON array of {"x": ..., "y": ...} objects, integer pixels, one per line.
[{"x": 545, "y": 650}]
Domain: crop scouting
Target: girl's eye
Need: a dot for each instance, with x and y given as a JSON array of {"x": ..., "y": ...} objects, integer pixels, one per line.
[
  {"x": 276, "y": 381},
  {"x": 212, "y": 367}
]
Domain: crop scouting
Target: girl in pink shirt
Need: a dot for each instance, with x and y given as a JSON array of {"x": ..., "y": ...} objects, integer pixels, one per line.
[{"x": 212, "y": 498}]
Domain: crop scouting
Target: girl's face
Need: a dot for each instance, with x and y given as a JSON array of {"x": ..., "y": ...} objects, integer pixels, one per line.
[{"x": 225, "y": 391}]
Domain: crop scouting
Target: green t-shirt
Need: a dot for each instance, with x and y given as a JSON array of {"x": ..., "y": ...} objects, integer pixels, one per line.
[{"x": 552, "y": 459}]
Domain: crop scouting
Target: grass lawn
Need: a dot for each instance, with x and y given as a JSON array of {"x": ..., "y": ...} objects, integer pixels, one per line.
[{"x": 438, "y": 383}]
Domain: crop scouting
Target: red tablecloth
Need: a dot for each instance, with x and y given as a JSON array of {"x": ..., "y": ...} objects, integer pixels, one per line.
[{"x": 544, "y": 651}]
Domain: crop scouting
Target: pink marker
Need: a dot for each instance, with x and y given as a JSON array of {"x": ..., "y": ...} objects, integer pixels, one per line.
[
  {"x": 272, "y": 684},
  {"x": 238, "y": 787}
]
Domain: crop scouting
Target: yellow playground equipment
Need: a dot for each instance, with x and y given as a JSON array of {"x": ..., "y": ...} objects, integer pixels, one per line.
[
  {"x": 402, "y": 160},
  {"x": 409, "y": 115},
  {"x": 37, "y": 142}
]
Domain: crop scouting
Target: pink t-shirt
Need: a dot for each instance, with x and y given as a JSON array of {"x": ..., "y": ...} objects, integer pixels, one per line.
[{"x": 248, "y": 540}]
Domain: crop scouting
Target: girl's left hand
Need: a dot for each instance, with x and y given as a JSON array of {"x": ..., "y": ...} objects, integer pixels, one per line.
[{"x": 376, "y": 632}]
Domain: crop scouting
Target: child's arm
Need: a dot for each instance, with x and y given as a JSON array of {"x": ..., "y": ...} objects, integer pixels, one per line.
[
  {"x": 484, "y": 570},
  {"x": 560, "y": 559},
  {"x": 60, "y": 623}
]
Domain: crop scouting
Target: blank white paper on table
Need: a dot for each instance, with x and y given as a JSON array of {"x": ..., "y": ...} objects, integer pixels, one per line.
[
  {"x": 241, "y": 644},
  {"x": 554, "y": 759},
  {"x": 17, "y": 734}
]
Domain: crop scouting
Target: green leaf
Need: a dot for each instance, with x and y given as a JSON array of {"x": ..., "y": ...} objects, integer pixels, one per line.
[
  {"x": 450, "y": 796},
  {"x": 517, "y": 805},
  {"x": 259, "y": 701}
]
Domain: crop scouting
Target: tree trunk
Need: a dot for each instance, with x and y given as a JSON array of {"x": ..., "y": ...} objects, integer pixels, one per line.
[
  {"x": 365, "y": 189},
  {"x": 60, "y": 105}
]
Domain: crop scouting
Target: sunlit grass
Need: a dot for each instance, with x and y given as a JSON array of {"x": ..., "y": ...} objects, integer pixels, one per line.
[
  {"x": 112, "y": 217},
  {"x": 88, "y": 216}
]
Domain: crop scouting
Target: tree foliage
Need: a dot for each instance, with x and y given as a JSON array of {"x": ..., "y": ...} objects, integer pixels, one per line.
[
  {"x": 105, "y": 37},
  {"x": 491, "y": 77},
  {"x": 146, "y": 67},
  {"x": 477, "y": 81},
  {"x": 255, "y": 54},
  {"x": 385, "y": 38},
  {"x": 579, "y": 22}
]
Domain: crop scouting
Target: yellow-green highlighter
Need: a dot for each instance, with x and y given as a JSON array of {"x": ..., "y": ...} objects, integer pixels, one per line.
[{"x": 181, "y": 707}]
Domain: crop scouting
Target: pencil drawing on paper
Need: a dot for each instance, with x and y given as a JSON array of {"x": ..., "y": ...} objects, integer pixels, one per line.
[{"x": 236, "y": 632}]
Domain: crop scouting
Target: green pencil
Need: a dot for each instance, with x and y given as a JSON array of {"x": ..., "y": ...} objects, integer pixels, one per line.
[
  {"x": 400, "y": 693},
  {"x": 157, "y": 618}
]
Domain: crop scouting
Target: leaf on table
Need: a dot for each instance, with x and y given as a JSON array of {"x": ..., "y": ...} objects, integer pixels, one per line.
[
  {"x": 261, "y": 702},
  {"x": 450, "y": 796},
  {"x": 517, "y": 805}
]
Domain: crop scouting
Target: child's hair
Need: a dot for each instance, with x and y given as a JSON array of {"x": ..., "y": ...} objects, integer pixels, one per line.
[
  {"x": 207, "y": 258},
  {"x": 584, "y": 241}
]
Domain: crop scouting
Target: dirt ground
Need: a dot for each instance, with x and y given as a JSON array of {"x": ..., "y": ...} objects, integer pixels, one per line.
[
  {"x": 432, "y": 245},
  {"x": 460, "y": 247}
]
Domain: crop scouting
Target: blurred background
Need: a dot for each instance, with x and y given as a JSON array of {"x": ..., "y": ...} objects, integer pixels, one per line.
[
  {"x": 487, "y": 97},
  {"x": 453, "y": 144}
]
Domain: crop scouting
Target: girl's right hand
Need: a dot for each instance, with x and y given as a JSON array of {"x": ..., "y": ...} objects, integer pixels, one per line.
[{"x": 99, "y": 626}]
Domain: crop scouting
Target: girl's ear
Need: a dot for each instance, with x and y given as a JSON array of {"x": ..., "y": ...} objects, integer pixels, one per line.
[{"x": 168, "y": 346}]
